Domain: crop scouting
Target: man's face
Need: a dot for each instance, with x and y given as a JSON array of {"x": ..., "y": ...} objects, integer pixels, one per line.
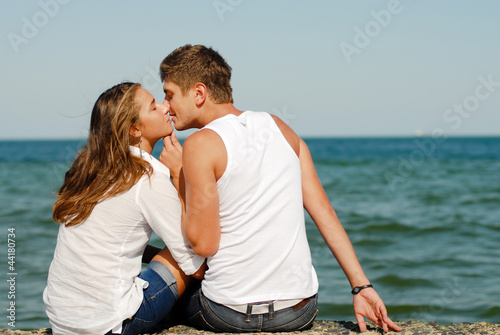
[{"x": 182, "y": 107}]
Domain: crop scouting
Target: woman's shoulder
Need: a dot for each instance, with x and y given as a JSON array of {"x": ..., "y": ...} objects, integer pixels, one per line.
[
  {"x": 159, "y": 181},
  {"x": 158, "y": 167}
]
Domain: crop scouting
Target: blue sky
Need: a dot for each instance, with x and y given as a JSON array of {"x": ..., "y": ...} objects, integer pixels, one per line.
[{"x": 328, "y": 68}]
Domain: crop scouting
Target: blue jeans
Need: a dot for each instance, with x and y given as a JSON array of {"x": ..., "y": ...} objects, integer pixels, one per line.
[
  {"x": 204, "y": 314},
  {"x": 159, "y": 298}
]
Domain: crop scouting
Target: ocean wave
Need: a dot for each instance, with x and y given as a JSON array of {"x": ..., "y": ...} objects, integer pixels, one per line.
[
  {"x": 492, "y": 312},
  {"x": 399, "y": 281}
]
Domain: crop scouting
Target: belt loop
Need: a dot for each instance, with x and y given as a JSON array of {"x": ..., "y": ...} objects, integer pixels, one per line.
[
  {"x": 249, "y": 312},
  {"x": 271, "y": 309}
]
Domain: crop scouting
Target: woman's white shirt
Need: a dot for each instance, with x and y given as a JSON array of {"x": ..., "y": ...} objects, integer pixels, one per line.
[{"x": 93, "y": 281}]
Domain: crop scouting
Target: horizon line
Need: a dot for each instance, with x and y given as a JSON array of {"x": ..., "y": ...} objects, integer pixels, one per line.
[{"x": 34, "y": 139}]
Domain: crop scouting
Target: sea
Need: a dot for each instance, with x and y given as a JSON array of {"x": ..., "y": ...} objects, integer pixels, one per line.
[{"x": 423, "y": 215}]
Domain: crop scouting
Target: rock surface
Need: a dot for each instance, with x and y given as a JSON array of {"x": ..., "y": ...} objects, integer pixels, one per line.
[{"x": 337, "y": 327}]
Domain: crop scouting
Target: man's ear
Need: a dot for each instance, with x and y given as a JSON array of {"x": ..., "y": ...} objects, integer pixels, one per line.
[{"x": 200, "y": 93}]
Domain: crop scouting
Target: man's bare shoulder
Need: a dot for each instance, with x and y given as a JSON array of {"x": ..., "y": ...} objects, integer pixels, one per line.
[
  {"x": 206, "y": 147},
  {"x": 202, "y": 140}
]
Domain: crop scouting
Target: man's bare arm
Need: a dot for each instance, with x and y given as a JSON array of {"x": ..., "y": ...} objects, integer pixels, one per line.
[
  {"x": 367, "y": 302},
  {"x": 319, "y": 208},
  {"x": 202, "y": 156}
]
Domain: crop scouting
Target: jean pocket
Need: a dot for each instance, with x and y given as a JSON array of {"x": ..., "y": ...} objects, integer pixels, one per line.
[
  {"x": 297, "y": 322},
  {"x": 310, "y": 323},
  {"x": 136, "y": 326},
  {"x": 199, "y": 322}
]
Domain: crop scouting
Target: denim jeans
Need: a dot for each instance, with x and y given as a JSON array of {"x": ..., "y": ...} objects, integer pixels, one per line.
[
  {"x": 205, "y": 314},
  {"x": 159, "y": 298}
]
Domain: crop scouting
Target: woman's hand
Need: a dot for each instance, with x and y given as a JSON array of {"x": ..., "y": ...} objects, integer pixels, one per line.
[
  {"x": 171, "y": 157},
  {"x": 367, "y": 303}
]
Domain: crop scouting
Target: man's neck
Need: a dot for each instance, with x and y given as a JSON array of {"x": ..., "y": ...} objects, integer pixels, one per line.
[{"x": 216, "y": 111}]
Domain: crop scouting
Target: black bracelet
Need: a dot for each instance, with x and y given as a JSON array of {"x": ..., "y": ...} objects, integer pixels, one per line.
[{"x": 358, "y": 289}]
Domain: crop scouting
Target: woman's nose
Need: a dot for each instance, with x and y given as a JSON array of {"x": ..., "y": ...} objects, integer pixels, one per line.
[
  {"x": 166, "y": 107},
  {"x": 166, "y": 104}
]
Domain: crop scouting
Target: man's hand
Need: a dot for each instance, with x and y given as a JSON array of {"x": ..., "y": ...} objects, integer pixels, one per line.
[
  {"x": 171, "y": 157},
  {"x": 367, "y": 303}
]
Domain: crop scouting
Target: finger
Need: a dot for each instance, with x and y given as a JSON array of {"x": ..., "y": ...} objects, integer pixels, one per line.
[
  {"x": 176, "y": 142},
  {"x": 392, "y": 325},
  {"x": 165, "y": 151},
  {"x": 387, "y": 322},
  {"x": 166, "y": 140},
  {"x": 361, "y": 322},
  {"x": 384, "y": 326},
  {"x": 383, "y": 317},
  {"x": 167, "y": 143},
  {"x": 379, "y": 322}
]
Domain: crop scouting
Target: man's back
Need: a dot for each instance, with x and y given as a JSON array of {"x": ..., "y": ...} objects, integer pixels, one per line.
[{"x": 263, "y": 253}]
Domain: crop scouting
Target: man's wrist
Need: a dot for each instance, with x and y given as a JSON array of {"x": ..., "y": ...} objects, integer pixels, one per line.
[{"x": 358, "y": 289}]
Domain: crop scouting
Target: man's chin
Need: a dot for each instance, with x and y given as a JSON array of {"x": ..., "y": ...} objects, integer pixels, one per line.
[{"x": 180, "y": 127}]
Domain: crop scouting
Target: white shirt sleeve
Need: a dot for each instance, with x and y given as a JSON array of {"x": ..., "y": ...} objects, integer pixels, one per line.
[{"x": 160, "y": 204}]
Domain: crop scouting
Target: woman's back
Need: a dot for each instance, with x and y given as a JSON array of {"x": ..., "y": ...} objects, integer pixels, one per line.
[{"x": 93, "y": 276}]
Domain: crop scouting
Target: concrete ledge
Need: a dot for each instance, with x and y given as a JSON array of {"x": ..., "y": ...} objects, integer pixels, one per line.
[{"x": 338, "y": 327}]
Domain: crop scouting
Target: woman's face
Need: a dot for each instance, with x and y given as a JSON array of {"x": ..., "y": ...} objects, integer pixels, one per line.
[{"x": 154, "y": 121}]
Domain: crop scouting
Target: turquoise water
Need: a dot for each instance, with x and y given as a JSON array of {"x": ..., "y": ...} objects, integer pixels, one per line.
[{"x": 423, "y": 215}]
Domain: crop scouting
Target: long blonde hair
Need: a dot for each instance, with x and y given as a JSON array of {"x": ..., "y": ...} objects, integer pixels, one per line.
[{"x": 105, "y": 166}]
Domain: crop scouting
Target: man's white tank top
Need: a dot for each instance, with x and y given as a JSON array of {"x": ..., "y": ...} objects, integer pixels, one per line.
[{"x": 263, "y": 253}]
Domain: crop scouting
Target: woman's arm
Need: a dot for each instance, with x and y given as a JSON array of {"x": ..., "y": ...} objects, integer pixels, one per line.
[{"x": 161, "y": 209}]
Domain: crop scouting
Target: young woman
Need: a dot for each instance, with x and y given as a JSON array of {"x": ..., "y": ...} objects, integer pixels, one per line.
[{"x": 113, "y": 196}]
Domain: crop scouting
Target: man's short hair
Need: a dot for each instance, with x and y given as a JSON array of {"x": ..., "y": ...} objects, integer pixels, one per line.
[{"x": 191, "y": 64}]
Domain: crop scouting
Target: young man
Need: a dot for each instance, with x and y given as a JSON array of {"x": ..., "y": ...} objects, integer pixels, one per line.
[{"x": 248, "y": 177}]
